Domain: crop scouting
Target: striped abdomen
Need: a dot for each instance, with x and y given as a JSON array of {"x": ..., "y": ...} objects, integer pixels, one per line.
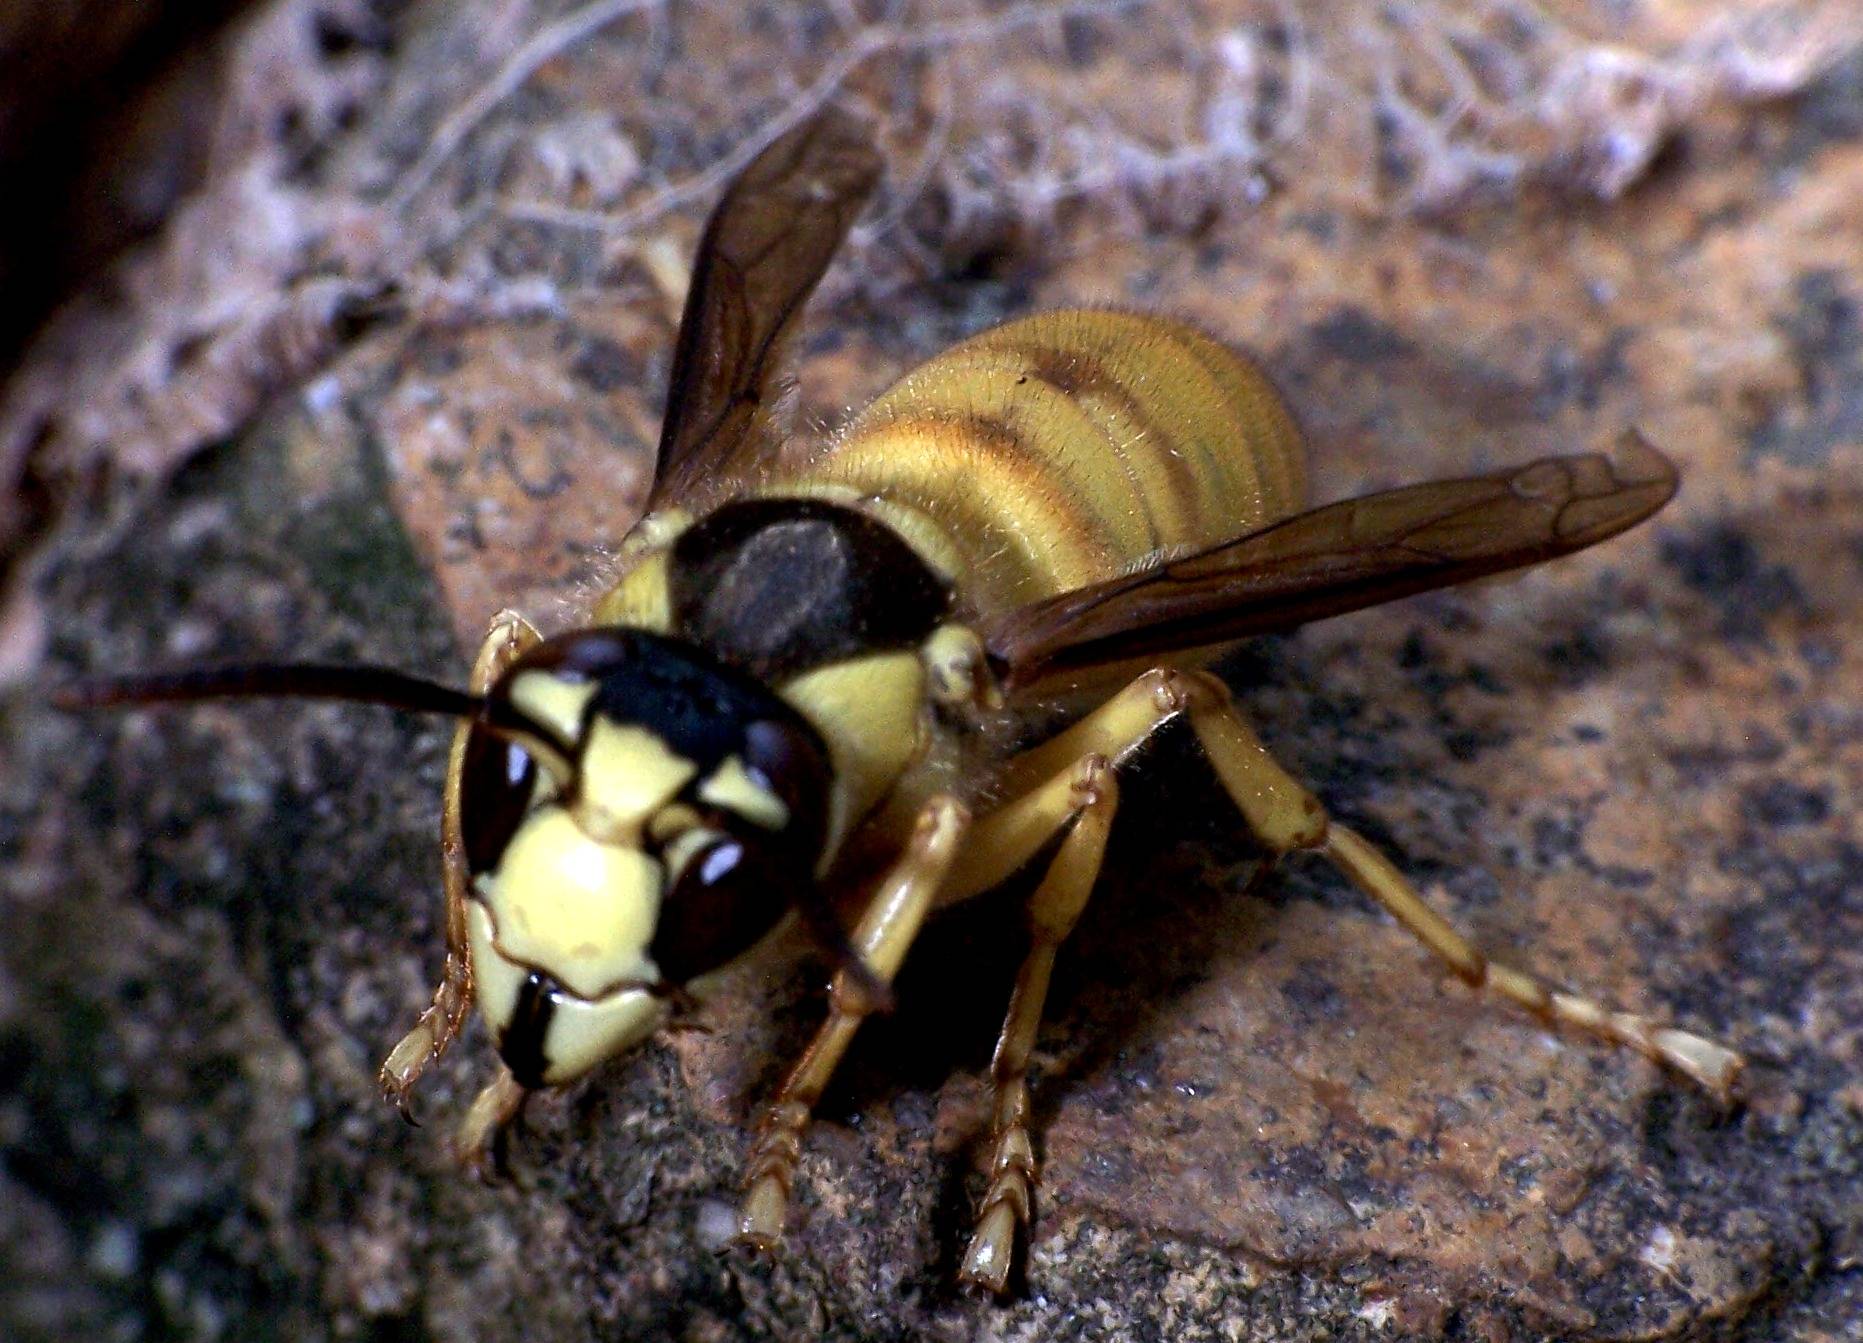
[{"x": 1064, "y": 448}]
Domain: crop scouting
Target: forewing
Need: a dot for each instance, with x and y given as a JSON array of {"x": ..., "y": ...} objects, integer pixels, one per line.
[
  {"x": 762, "y": 253},
  {"x": 1335, "y": 559}
]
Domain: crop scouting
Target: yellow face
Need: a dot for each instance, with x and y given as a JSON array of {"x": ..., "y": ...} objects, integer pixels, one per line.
[
  {"x": 565, "y": 1034},
  {"x": 662, "y": 837}
]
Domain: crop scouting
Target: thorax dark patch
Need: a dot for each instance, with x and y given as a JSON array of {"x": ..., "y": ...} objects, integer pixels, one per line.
[{"x": 777, "y": 586}]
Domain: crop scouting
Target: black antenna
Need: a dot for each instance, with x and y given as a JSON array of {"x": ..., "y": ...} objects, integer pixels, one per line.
[{"x": 273, "y": 680}]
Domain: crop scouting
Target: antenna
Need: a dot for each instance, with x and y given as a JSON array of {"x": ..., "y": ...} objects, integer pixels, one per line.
[{"x": 273, "y": 680}]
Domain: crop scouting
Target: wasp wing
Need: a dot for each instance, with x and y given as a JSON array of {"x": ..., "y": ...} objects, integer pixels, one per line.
[
  {"x": 1335, "y": 559},
  {"x": 761, "y": 255}
]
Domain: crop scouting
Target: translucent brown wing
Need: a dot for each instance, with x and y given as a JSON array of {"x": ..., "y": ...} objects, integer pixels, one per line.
[
  {"x": 1335, "y": 559},
  {"x": 762, "y": 253}
]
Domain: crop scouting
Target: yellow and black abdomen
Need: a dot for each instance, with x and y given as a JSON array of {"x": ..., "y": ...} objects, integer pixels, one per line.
[{"x": 1065, "y": 448}]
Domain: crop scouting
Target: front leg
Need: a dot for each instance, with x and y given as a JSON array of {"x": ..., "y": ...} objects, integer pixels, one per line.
[
  {"x": 885, "y": 933},
  {"x": 509, "y": 638}
]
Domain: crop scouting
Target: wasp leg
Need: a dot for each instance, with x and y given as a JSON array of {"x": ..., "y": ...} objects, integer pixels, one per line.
[
  {"x": 886, "y": 930},
  {"x": 1067, "y": 781},
  {"x": 509, "y": 637},
  {"x": 1080, "y": 802},
  {"x": 1286, "y": 817},
  {"x": 491, "y": 1113},
  {"x": 1713, "y": 1067}
]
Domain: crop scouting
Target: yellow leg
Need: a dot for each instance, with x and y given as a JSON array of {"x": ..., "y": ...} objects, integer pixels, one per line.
[
  {"x": 508, "y": 639},
  {"x": 1066, "y": 781},
  {"x": 1713, "y": 1067},
  {"x": 1084, "y": 799},
  {"x": 490, "y": 1115},
  {"x": 1287, "y": 817},
  {"x": 885, "y": 933}
]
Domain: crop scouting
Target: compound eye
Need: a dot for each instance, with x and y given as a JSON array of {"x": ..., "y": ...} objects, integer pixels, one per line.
[
  {"x": 727, "y": 895},
  {"x": 497, "y": 785},
  {"x": 797, "y": 771}
]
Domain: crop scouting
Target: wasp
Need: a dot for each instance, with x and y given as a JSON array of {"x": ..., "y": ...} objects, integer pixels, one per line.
[{"x": 810, "y": 688}]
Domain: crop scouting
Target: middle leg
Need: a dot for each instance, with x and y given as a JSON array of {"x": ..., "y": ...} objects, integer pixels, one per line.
[
  {"x": 1080, "y": 803},
  {"x": 1066, "y": 786}
]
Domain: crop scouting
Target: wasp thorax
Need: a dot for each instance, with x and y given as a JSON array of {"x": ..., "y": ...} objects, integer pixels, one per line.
[{"x": 657, "y": 815}]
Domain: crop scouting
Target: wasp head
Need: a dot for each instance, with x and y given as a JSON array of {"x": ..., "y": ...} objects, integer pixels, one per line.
[{"x": 635, "y": 815}]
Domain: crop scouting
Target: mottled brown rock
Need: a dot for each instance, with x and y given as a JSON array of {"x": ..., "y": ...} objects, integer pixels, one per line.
[{"x": 1263, "y": 1113}]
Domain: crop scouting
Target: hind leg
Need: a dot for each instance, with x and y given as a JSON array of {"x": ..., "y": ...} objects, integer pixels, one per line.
[
  {"x": 508, "y": 639},
  {"x": 1713, "y": 1067},
  {"x": 1288, "y": 819}
]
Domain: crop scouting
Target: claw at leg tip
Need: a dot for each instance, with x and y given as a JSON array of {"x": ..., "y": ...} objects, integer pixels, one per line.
[
  {"x": 986, "y": 1262},
  {"x": 1715, "y": 1067},
  {"x": 396, "y": 1088},
  {"x": 760, "y": 1216}
]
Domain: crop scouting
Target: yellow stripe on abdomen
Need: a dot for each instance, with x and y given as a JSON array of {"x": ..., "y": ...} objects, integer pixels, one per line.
[{"x": 1065, "y": 448}]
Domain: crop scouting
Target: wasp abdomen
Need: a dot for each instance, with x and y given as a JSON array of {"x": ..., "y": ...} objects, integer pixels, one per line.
[{"x": 1062, "y": 449}]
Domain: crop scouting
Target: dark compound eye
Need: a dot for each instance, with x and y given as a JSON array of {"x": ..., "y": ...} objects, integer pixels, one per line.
[
  {"x": 791, "y": 761},
  {"x": 496, "y": 786},
  {"x": 729, "y": 894}
]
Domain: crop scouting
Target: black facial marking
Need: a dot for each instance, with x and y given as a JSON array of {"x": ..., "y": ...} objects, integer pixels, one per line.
[
  {"x": 781, "y": 585},
  {"x": 701, "y": 709},
  {"x": 521, "y": 1044}
]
